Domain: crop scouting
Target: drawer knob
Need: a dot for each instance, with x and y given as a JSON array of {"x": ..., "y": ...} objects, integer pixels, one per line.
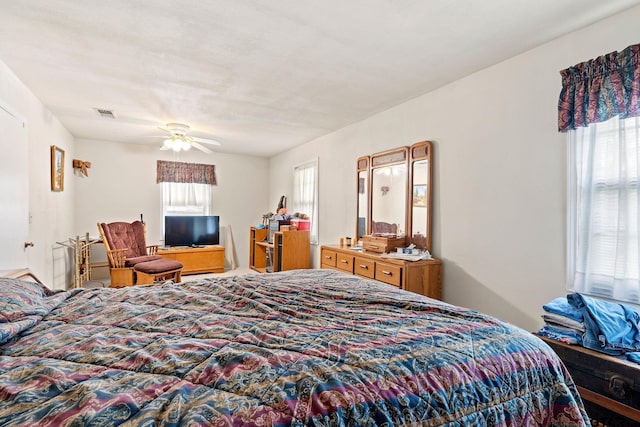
[
  {"x": 364, "y": 267},
  {"x": 344, "y": 261},
  {"x": 386, "y": 273}
]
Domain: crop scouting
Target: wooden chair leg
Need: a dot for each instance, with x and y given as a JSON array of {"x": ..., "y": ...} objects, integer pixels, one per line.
[
  {"x": 121, "y": 277},
  {"x": 144, "y": 278},
  {"x": 148, "y": 279}
]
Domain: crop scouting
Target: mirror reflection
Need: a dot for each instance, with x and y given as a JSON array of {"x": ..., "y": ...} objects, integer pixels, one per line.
[
  {"x": 419, "y": 203},
  {"x": 389, "y": 199},
  {"x": 363, "y": 202}
]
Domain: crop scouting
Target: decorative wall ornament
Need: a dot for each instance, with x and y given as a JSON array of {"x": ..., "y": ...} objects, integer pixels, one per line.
[{"x": 81, "y": 166}]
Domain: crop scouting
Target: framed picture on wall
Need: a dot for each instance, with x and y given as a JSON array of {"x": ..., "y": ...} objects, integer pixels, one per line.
[{"x": 57, "y": 168}]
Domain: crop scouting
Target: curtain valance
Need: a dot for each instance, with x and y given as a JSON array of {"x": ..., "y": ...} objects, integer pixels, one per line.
[
  {"x": 198, "y": 173},
  {"x": 599, "y": 89}
]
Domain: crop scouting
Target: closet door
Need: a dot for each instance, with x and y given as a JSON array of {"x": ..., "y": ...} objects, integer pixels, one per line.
[{"x": 14, "y": 191}]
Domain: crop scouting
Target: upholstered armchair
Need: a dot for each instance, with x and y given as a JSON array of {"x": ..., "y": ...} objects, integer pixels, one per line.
[{"x": 131, "y": 261}]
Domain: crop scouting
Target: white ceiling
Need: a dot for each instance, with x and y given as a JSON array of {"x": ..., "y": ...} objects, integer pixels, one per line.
[{"x": 261, "y": 76}]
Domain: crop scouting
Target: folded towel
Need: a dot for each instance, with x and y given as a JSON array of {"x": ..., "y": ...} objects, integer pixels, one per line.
[
  {"x": 562, "y": 307},
  {"x": 561, "y": 334},
  {"x": 559, "y": 320}
]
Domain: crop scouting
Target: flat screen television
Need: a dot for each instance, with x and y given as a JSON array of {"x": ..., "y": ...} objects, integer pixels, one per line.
[{"x": 191, "y": 230}]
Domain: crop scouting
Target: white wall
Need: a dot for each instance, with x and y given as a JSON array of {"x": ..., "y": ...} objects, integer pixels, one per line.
[
  {"x": 51, "y": 214},
  {"x": 122, "y": 185},
  {"x": 499, "y": 195}
]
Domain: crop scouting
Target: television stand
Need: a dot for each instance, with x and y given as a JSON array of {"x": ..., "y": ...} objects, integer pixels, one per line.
[{"x": 197, "y": 259}]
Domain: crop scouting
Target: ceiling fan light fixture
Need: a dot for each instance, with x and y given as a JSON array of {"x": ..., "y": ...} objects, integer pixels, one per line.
[
  {"x": 178, "y": 128},
  {"x": 177, "y": 140}
]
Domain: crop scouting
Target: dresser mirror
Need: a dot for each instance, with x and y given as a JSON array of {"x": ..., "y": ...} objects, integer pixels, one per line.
[
  {"x": 421, "y": 194},
  {"x": 389, "y": 183},
  {"x": 363, "y": 196},
  {"x": 394, "y": 194}
]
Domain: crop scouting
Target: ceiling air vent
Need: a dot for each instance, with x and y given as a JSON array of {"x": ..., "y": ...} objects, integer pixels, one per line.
[{"x": 107, "y": 114}]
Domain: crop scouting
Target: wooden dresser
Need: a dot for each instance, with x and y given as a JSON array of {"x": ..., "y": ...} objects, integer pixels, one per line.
[
  {"x": 608, "y": 385},
  {"x": 422, "y": 277}
]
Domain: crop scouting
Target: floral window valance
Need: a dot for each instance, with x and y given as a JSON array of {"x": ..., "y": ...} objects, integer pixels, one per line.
[
  {"x": 599, "y": 89},
  {"x": 198, "y": 173}
]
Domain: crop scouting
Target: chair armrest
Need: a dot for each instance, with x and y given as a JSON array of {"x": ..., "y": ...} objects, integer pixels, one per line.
[
  {"x": 152, "y": 250},
  {"x": 117, "y": 257}
]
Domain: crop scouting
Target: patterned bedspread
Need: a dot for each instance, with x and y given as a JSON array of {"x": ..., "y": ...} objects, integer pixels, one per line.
[{"x": 307, "y": 347}]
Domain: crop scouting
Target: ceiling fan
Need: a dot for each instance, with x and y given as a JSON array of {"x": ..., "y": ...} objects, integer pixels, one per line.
[{"x": 178, "y": 140}]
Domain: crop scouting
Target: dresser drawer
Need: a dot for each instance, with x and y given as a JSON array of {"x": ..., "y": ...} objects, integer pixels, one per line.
[
  {"x": 388, "y": 273},
  {"x": 345, "y": 262},
  {"x": 364, "y": 267},
  {"x": 328, "y": 258}
]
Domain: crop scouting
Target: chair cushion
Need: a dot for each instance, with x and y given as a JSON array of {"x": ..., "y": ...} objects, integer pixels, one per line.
[
  {"x": 130, "y": 262},
  {"x": 125, "y": 235},
  {"x": 157, "y": 266}
]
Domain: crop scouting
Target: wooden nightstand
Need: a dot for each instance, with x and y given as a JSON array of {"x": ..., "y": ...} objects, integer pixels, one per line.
[{"x": 609, "y": 385}]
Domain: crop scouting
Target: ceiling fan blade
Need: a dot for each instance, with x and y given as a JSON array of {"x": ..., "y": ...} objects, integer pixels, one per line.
[
  {"x": 205, "y": 140},
  {"x": 164, "y": 147},
  {"x": 201, "y": 147}
]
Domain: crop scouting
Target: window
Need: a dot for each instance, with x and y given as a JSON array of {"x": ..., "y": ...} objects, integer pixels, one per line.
[
  {"x": 187, "y": 188},
  {"x": 604, "y": 215},
  {"x": 186, "y": 199},
  {"x": 305, "y": 194}
]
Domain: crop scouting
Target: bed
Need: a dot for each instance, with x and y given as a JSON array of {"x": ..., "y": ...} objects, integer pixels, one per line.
[{"x": 303, "y": 347}]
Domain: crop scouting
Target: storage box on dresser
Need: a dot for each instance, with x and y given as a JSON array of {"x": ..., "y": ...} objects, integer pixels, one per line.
[
  {"x": 422, "y": 277},
  {"x": 608, "y": 385},
  {"x": 379, "y": 244}
]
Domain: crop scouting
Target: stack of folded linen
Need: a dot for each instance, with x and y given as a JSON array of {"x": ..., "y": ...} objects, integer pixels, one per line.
[
  {"x": 604, "y": 326},
  {"x": 562, "y": 322},
  {"x": 611, "y": 327}
]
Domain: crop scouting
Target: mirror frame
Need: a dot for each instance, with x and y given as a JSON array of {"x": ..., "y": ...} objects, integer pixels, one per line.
[
  {"x": 422, "y": 151},
  {"x": 419, "y": 151},
  {"x": 394, "y": 157},
  {"x": 363, "y": 166}
]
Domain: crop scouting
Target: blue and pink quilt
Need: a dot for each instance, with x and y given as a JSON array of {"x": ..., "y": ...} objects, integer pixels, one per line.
[{"x": 300, "y": 348}]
